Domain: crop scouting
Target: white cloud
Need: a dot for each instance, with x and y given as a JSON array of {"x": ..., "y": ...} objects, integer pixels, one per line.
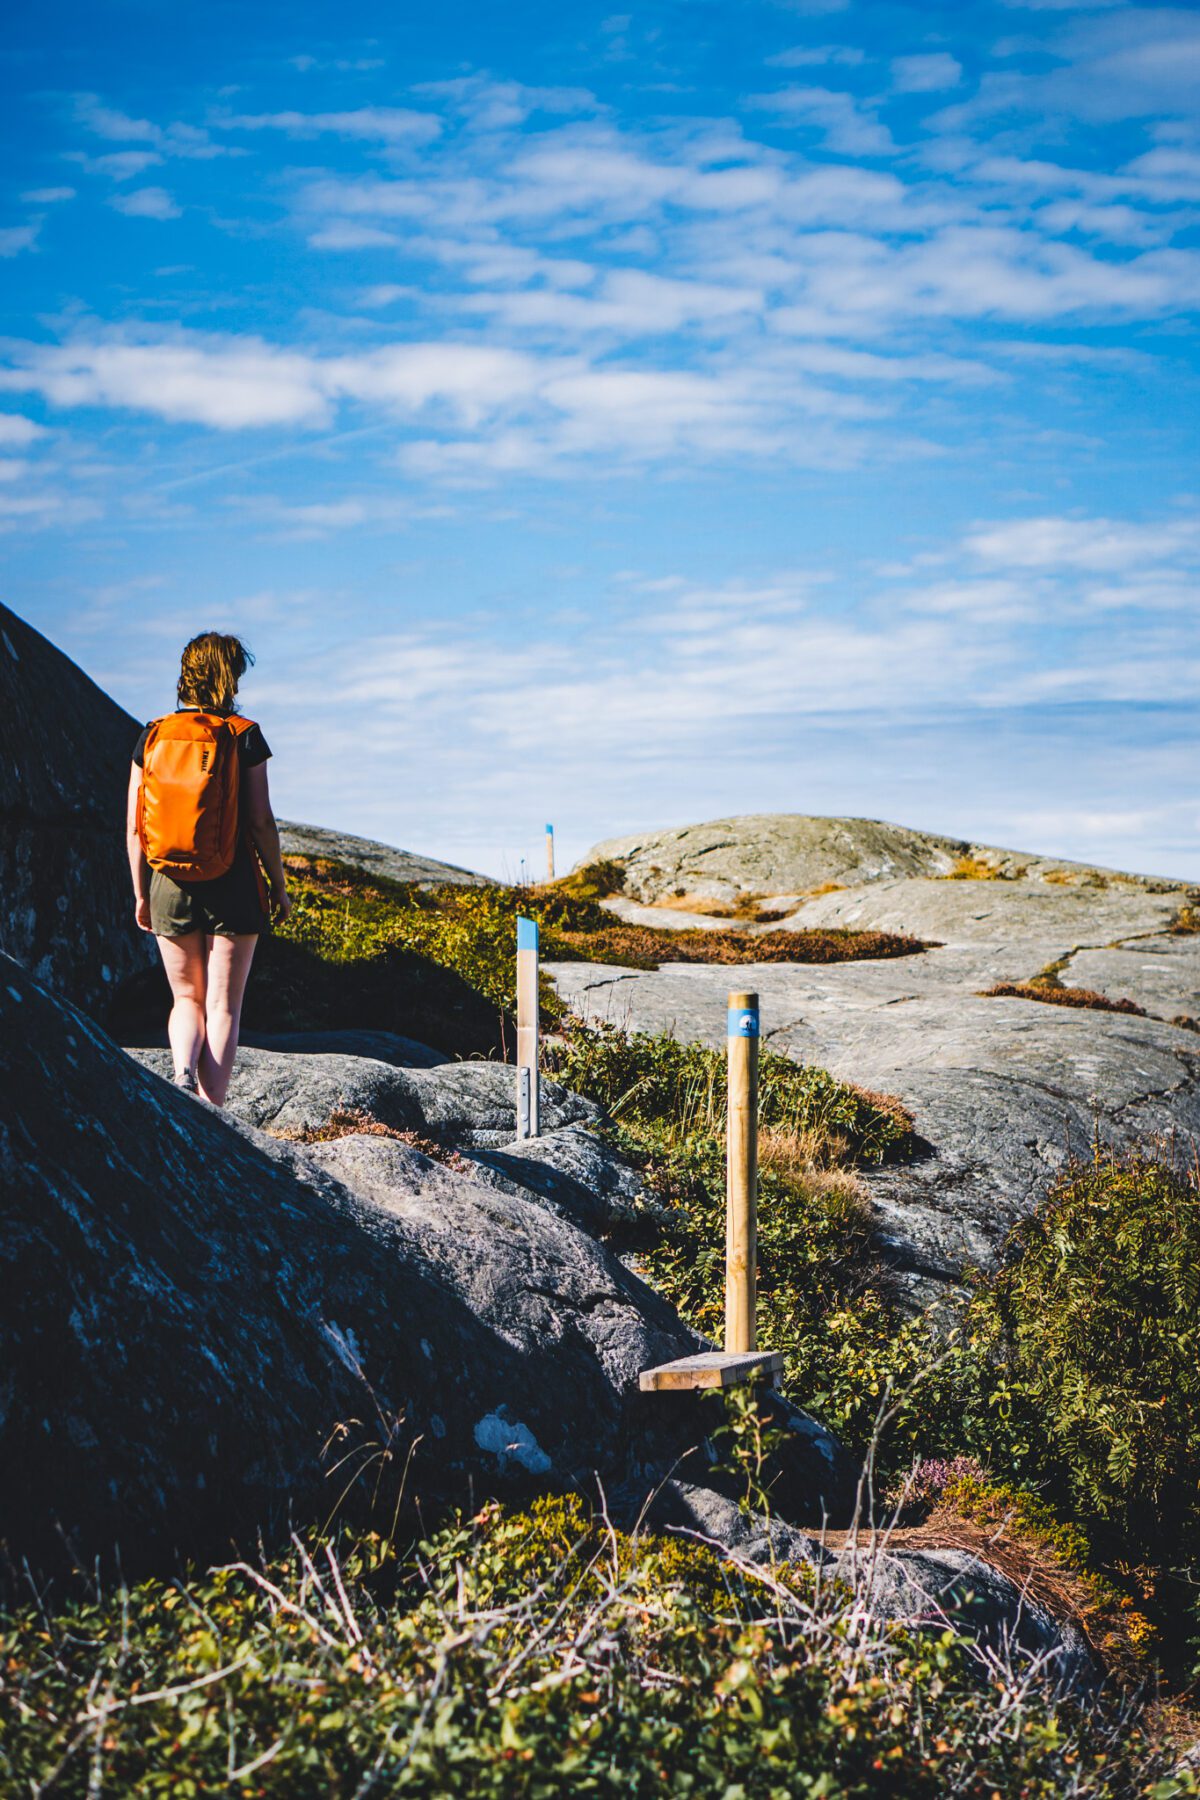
[
  {"x": 146, "y": 203},
  {"x": 14, "y": 429},
  {"x": 120, "y": 165},
  {"x": 812, "y": 56},
  {"x": 925, "y": 74},
  {"x": 851, "y": 281},
  {"x": 228, "y": 384},
  {"x": 45, "y": 509},
  {"x": 1096, "y": 545},
  {"x": 233, "y": 384},
  {"x": 321, "y": 518},
  {"x": 1131, "y": 62},
  {"x": 629, "y": 303},
  {"x": 491, "y": 105},
  {"x": 1113, "y": 223},
  {"x": 473, "y": 381},
  {"x": 377, "y": 124},
  {"x": 176, "y": 139},
  {"x": 1166, "y": 174},
  {"x": 865, "y": 365},
  {"x": 48, "y": 196},
  {"x": 15, "y": 238},
  {"x": 845, "y": 125},
  {"x": 384, "y": 294},
  {"x": 108, "y": 122},
  {"x": 343, "y": 234},
  {"x": 345, "y": 65},
  {"x": 814, "y": 9}
]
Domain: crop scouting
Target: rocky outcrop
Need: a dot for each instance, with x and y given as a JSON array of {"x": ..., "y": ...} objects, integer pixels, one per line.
[
  {"x": 374, "y": 858},
  {"x": 193, "y": 1310},
  {"x": 458, "y": 1103},
  {"x": 383, "y": 1046},
  {"x": 66, "y": 911},
  {"x": 304, "y": 1079},
  {"x": 791, "y": 854},
  {"x": 1003, "y": 1090}
]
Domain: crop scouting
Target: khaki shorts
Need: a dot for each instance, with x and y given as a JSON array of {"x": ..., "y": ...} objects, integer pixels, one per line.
[{"x": 227, "y": 906}]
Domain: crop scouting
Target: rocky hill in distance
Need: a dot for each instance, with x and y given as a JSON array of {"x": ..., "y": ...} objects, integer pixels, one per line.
[
  {"x": 1054, "y": 1003},
  {"x": 374, "y": 858},
  {"x": 794, "y": 855}
]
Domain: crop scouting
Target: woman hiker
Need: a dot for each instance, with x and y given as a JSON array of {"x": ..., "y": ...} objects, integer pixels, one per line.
[{"x": 198, "y": 821}]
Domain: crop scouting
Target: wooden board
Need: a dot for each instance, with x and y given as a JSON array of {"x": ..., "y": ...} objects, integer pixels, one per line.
[{"x": 712, "y": 1369}]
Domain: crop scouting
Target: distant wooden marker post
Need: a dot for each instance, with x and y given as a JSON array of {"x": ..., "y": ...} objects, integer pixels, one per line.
[
  {"x": 528, "y": 1124},
  {"x": 549, "y": 853},
  {"x": 742, "y": 1360}
]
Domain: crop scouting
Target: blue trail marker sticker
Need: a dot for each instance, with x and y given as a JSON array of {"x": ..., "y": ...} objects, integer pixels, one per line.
[
  {"x": 527, "y": 934},
  {"x": 742, "y": 1021}
]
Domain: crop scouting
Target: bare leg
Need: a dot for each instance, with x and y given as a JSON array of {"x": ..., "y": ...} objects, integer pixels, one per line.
[
  {"x": 229, "y": 960},
  {"x": 185, "y": 961}
]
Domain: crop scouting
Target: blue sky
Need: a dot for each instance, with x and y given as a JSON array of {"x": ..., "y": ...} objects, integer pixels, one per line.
[{"x": 623, "y": 418}]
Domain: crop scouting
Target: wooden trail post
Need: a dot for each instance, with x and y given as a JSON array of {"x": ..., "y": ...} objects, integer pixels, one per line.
[
  {"x": 527, "y": 1028},
  {"x": 742, "y": 1360},
  {"x": 741, "y": 1172},
  {"x": 549, "y": 853}
]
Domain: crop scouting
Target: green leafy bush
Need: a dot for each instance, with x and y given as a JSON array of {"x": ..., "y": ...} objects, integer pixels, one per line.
[
  {"x": 530, "y": 1654},
  {"x": 1093, "y": 1324}
]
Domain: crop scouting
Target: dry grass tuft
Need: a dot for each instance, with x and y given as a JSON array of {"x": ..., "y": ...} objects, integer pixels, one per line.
[
  {"x": 971, "y": 868},
  {"x": 643, "y": 947},
  {"x": 1055, "y": 995},
  {"x": 994, "y": 1534},
  {"x": 355, "y": 1121},
  {"x": 817, "y": 1162}
]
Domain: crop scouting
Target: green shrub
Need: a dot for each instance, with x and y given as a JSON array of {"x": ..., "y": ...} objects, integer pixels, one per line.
[
  {"x": 529, "y": 1654},
  {"x": 594, "y": 881},
  {"x": 1094, "y": 1325},
  {"x": 345, "y": 916},
  {"x": 678, "y": 1091}
]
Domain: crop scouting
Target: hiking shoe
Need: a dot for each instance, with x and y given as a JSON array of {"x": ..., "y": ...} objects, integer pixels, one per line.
[{"x": 187, "y": 1081}]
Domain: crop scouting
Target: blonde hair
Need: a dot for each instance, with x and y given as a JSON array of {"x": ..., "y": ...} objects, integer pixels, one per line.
[{"x": 209, "y": 672}]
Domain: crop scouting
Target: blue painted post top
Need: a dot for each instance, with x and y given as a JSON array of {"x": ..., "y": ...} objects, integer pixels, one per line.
[
  {"x": 527, "y": 934},
  {"x": 743, "y": 1021},
  {"x": 550, "y": 830}
]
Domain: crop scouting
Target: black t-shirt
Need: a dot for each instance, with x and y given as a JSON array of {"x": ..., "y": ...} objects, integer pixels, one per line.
[{"x": 253, "y": 747}]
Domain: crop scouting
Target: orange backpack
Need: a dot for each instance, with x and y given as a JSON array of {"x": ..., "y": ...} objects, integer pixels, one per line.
[{"x": 187, "y": 813}]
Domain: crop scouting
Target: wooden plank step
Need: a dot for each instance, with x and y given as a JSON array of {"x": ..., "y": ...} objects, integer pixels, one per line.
[{"x": 712, "y": 1369}]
